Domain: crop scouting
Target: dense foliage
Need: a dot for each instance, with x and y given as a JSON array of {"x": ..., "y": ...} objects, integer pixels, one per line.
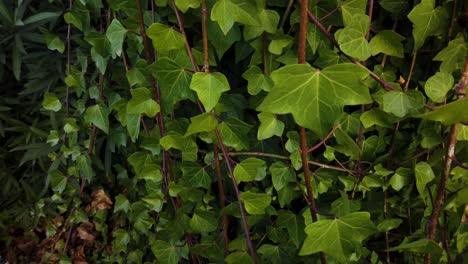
[{"x": 237, "y": 131}]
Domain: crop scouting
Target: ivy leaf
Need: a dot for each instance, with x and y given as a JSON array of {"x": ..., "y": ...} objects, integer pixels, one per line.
[
  {"x": 352, "y": 38},
  {"x": 269, "y": 126},
  {"x": 424, "y": 175},
  {"x": 51, "y": 102},
  {"x": 419, "y": 246},
  {"x": 53, "y": 42},
  {"x": 401, "y": 103},
  {"x": 196, "y": 176},
  {"x": 339, "y": 238},
  {"x": 219, "y": 40},
  {"x": 121, "y": 204},
  {"x": 316, "y": 98},
  {"x": 377, "y": 117},
  {"x": 185, "y": 5},
  {"x": 255, "y": 203},
  {"x": 387, "y": 42},
  {"x": 249, "y": 170},
  {"x": 133, "y": 125},
  {"x": 98, "y": 116},
  {"x": 58, "y": 181},
  {"x": 209, "y": 87},
  {"x": 389, "y": 224},
  {"x": 203, "y": 222},
  {"x": 226, "y": 12},
  {"x": 142, "y": 103},
  {"x": 452, "y": 56},
  {"x": 350, "y": 8},
  {"x": 99, "y": 42},
  {"x": 438, "y": 85},
  {"x": 234, "y": 133},
  {"x": 462, "y": 134},
  {"x": 166, "y": 253},
  {"x": 116, "y": 35},
  {"x": 427, "y": 21},
  {"x": 201, "y": 123},
  {"x": 269, "y": 20},
  {"x": 279, "y": 43},
  {"x": 165, "y": 38},
  {"x": 281, "y": 175},
  {"x": 445, "y": 114},
  {"x": 257, "y": 81},
  {"x": 174, "y": 81},
  {"x": 294, "y": 224},
  {"x": 185, "y": 144}
]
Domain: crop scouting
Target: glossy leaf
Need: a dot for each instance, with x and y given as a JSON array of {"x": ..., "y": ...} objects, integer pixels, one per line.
[
  {"x": 116, "y": 35},
  {"x": 51, "y": 102},
  {"x": 257, "y": 80},
  {"x": 209, "y": 87},
  {"x": 226, "y": 12},
  {"x": 352, "y": 38},
  {"x": 424, "y": 175},
  {"x": 255, "y": 203},
  {"x": 269, "y": 126},
  {"x": 445, "y": 114},
  {"x": 452, "y": 56},
  {"x": 142, "y": 103},
  {"x": 427, "y": 21},
  {"x": 98, "y": 115},
  {"x": 438, "y": 85},
  {"x": 251, "y": 169},
  {"x": 165, "y": 38},
  {"x": 387, "y": 42},
  {"x": 401, "y": 104},
  {"x": 339, "y": 238},
  {"x": 201, "y": 123},
  {"x": 315, "y": 98}
]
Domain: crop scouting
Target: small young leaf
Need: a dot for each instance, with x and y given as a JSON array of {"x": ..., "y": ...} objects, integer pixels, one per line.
[
  {"x": 209, "y": 87},
  {"x": 424, "y": 175},
  {"x": 281, "y": 175},
  {"x": 226, "y": 12},
  {"x": 257, "y": 81},
  {"x": 184, "y": 5},
  {"x": 51, "y": 102},
  {"x": 269, "y": 126},
  {"x": 453, "y": 55},
  {"x": 387, "y": 42},
  {"x": 142, "y": 103},
  {"x": 249, "y": 170},
  {"x": 98, "y": 116},
  {"x": 116, "y": 34},
  {"x": 402, "y": 104},
  {"x": 201, "y": 123}
]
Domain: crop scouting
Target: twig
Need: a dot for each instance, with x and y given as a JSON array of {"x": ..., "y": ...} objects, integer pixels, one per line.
[
  {"x": 286, "y": 13},
  {"x": 324, "y": 139},
  {"x": 449, "y": 156},
  {"x": 222, "y": 199},
  {"x": 67, "y": 93},
  {"x": 301, "y": 58}
]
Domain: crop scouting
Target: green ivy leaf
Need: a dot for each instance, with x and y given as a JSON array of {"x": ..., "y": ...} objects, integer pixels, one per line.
[
  {"x": 116, "y": 35},
  {"x": 51, "y": 102},
  {"x": 281, "y": 175},
  {"x": 209, "y": 87},
  {"x": 401, "y": 104},
  {"x": 339, "y": 238},
  {"x": 387, "y": 42},
  {"x": 389, "y": 224},
  {"x": 316, "y": 98},
  {"x": 438, "y": 85},
  {"x": 257, "y": 81},
  {"x": 142, "y": 103},
  {"x": 269, "y": 126},
  {"x": 424, "y": 175},
  {"x": 269, "y": 20},
  {"x": 165, "y": 252},
  {"x": 452, "y": 56},
  {"x": 58, "y": 181},
  {"x": 219, "y": 40},
  {"x": 294, "y": 224},
  {"x": 185, "y": 5},
  {"x": 121, "y": 204},
  {"x": 249, "y": 170},
  {"x": 98, "y": 116},
  {"x": 165, "y": 38},
  {"x": 196, "y": 176},
  {"x": 349, "y": 8},
  {"x": 279, "y": 43},
  {"x": 174, "y": 81},
  {"x": 352, "y": 39},
  {"x": 419, "y": 246},
  {"x": 255, "y": 203},
  {"x": 234, "y": 133},
  {"x": 226, "y": 12},
  {"x": 377, "y": 117},
  {"x": 99, "y": 42},
  {"x": 53, "y": 42},
  {"x": 203, "y": 222},
  {"x": 177, "y": 141},
  {"x": 201, "y": 123},
  {"x": 427, "y": 21},
  {"x": 445, "y": 114}
]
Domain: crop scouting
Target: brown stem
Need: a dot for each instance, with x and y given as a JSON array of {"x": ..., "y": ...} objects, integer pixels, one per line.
[
  {"x": 410, "y": 74},
  {"x": 329, "y": 14},
  {"x": 371, "y": 10},
  {"x": 222, "y": 199},
  {"x": 276, "y": 156},
  {"x": 286, "y": 13},
  {"x": 301, "y": 58},
  {"x": 449, "y": 156},
  {"x": 220, "y": 141},
  {"x": 206, "y": 59},
  {"x": 324, "y": 139},
  {"x": 453, "y": 21}
]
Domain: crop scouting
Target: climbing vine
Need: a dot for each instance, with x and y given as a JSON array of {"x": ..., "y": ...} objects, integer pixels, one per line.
[{"x": 196, "y": 131}]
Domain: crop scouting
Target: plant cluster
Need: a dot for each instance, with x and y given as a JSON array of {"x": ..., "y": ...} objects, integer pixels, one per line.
[{"x": 243, "y": 131}]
